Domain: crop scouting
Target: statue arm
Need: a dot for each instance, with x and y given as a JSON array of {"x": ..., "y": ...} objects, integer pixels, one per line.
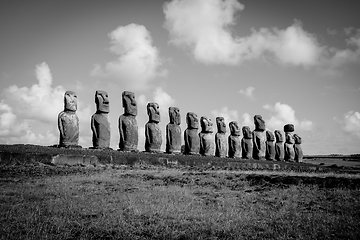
[
  {"x": 60, "y": 125},
  {"x": 121, "y": 133},
  {"x": 146, "y": 135},
  {"x": 255, "y": 145},
  {"x": 93, "y": 128}
]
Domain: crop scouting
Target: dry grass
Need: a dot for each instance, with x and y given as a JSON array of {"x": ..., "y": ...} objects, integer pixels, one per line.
[{"x": 174, "y": 204}]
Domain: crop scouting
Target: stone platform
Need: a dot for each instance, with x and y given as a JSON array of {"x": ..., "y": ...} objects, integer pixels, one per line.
[{"x": 23, "y": 154}]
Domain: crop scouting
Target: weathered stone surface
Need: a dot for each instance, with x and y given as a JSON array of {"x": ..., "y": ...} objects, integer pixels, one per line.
[
  {"x": 289, "y": 128},
  {"x": 279, "y": 146},
  {"x": 68, "y": 122},
  {"x": 173, "y": 131},
  {"x": 298, "y": 149},
  {"x": 289, "y": 147},
  {"x": 259, "y": 145},
  {"x": 270, "y": 146},
  {"x": 191, "y": 137},
  {"x": 247, "y": 143},
  {"x": 221, "y": 147},
  {"x": 128, "y": 128},
  {"x": 153, "y": 139},
  {"x": 259, "y": 123},
  {"x": 234, "y": 140},
  {"x": 206, "y": 137},
  {"x": 100, "y": 124}
]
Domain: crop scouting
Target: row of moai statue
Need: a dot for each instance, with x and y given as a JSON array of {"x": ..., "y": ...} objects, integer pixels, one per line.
[{"x": 258, "y": 144}]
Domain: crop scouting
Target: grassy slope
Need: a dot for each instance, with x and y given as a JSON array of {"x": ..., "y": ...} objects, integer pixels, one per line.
[{"x": 159, "y": 203}]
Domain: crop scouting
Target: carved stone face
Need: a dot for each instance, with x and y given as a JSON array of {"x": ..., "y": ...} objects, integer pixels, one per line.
[
  {"x": 153, "y": 112},
  {"x": 129, "y": 103},
  {"x": 174, "y": 115},
  {"x": 206, "y": 125},
  {"x": 270, "y": 136},
  {"x": 297, "y": 139},
  {"x": 279, "y": 137},
  {"x": 221, "y": 126},
  {"x": 289, "y": 128},
  {"x": 289, "y": 137},
  {"x": 192, "y": 120},
  {"x": 259, "y": 123},
  {"x": 246, "y": 132},
  {"x": 234, "y": 128},
  {"x": 70, "y": 101},
  {"x": 102, "y": 101}
]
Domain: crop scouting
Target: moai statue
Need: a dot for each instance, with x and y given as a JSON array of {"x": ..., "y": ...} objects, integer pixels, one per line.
[
  {"x": 173, "y": 131},
  {"x": 221, "y": 147},
  {"x": 153, "y": 138},
  {"x": 246, "y": 143},
  {"x": 100, "y": 124},
  {"x": 270, "y": 146},
  {"x": 191, "y": 137},
  {"x": 128, "y": 128},
  {"x": 289, "y": 153},
  {"x": 234, "y": 140},
  {"x": 298, "y": 149},
  {"x": 68, "y": 122},
  {"x": 259, "y": 138},
  {"x": 206, "y": 137},
  {"x": 279, "y": 146}
]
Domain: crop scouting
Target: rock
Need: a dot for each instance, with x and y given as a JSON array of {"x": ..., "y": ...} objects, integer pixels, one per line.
[
  {"x": 100, "y": 124},
  {"x": 173, "y": 131},
  {"x": 289, "y": 128},
  {"x": 298, "y": 149},
  {"x": 68, "y": 122},
  {"x": 128, "y": 128},
  {"x": 289, "y": 154},
  {"x": 206, "y": 137},
  {"x": 270, "y": 146},
  {"x": 259, "y": 145},
  {"x": 247, "y": 143},
  {"x": 153, "y": 139},
  {"x": 221, "y": 147},
  {"x": 191, "y": 137},
  {"x": 279, "y": 146},
  {"x": 259, "y": 123},
  {"x": 234, "y": 140}
]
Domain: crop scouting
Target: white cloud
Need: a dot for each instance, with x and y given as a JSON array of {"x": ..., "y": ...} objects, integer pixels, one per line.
[
  {"x": 350, "y": 123},
  {"x": 227, "y": 114},
  {"x": 204, "y": 26},
  {"x": 138, "y": 60},
  {"x": 248, "y": 92},
  {"x": 29, "y": 115},
  {"x": 247, "y": 120},
  {"x": 284, "y": 114}
]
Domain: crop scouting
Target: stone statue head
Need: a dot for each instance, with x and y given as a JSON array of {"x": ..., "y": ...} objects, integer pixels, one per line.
[
  {"x": 270, "y": 136},
  {"x": 259, "y": 123},
  {"x": 153, "y": 112},
  {"x": 289, "y": 128},
  {"x": 278, "y": 135},
  {"x": 102, "y": 101},
  {"x": 234, "y": 128},
  {"x": 206, "y": 125},
  {"x": 221, "y": 126},
  {"x": 70, "y": 101},
  {"x": 246, "y": 132},
  {"x": 289, "y": 137},
  {"x": 192, "y": 120},
  {"x": 174, "y": 115},
  {"x": 297, "y": 139},
  {"x": 129, "y": 103}
]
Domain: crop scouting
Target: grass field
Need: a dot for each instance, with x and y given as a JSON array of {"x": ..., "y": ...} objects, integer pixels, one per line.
[{"x": 145, "y": 202}]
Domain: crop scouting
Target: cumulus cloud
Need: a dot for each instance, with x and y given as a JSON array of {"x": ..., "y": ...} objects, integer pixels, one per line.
[
  {"x": 247, "y": 120},
  {"x": 204, "y": 26},
  {"x": 284, "y": 114},
  {"x": 350, "y": 123},
  {"x": 138, "y": 60},
  {"x": 248, "y": 92},
  {"x": 228, "y": 114},
  {"x": 29, "y": 115}
]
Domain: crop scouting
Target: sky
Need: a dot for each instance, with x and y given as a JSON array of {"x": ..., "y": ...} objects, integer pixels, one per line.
[{"x": 289, "y": 61}]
